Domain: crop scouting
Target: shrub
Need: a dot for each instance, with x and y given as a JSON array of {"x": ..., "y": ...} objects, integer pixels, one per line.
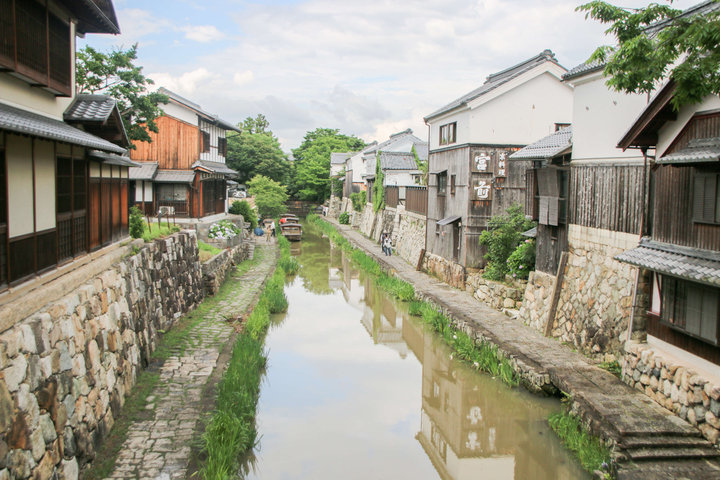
[
  {"x": 136, "y": 223},
  {"x": 153, "y": 231},
  {"x": 344, "y": 218},
  {"x": 522, "y": 260},
  {"x": 502, "y": 237},
  {"x": 287, "y": 262},
  {"x": 223, "y": 229},
  {"x": 243, "y": 208},
  {"x": 358, "y": 200}
]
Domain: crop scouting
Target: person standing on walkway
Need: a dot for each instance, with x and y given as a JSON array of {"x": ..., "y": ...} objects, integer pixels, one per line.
[
  {"x": 272, "y": 229},
  {"x": 388, "y": 245},
  {"x": 382, "y": 242},
  {"x": 268, "y": 232}
]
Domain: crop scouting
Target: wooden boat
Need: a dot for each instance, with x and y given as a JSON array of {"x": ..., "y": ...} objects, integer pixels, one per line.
[
  {"x": 289, "y": 218},
  {"x": 291, "y": 231}
]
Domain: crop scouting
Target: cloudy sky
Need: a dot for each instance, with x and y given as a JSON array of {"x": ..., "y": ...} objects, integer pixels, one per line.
[{"x": 366, "y": 67}]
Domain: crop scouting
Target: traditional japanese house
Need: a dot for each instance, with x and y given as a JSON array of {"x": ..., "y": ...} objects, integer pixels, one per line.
[
  {"x": 63, "y": 169},
  {"x": 547, "y": 188},
  {"x": 679, "y": 253},
  {"x": 471, "y": 139},
  {"x": 337, "y": 169},
  {"x": 355, "y": 169},
  {"x": 184, "y": 165}
]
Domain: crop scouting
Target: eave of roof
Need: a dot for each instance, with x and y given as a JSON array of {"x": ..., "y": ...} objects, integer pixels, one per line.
[
  {"x": 144, "y": 171},
  {"x": 557, "y": 143},
  {"x": 174, "y": 176},
  {"x": 94, "y": 16},
  {"x": 643, "y": 131},
  {"x": 213, "y": 167},
  {"x": 698, "y": 150},
  {"x": 212, "y": 118},
  {"x": 583, "y": 69},
  {"x": 28, "y": 123}
]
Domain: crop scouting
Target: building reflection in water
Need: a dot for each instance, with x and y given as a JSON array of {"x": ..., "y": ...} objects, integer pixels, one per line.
[{"x": 471, "y": 425}]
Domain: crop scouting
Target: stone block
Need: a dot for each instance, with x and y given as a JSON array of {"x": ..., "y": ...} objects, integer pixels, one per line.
[{"x": 710, "y": 433}]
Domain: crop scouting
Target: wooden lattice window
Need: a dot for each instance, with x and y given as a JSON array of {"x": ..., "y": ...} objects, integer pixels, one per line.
[
  {"x": 691, "y": 307},
  {"x": 706, "y": 201}
]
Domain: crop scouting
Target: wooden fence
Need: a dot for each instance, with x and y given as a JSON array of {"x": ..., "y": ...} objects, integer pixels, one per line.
[
  {"x": 416, "y": 200},
  {"x": 392, "y": 196}
]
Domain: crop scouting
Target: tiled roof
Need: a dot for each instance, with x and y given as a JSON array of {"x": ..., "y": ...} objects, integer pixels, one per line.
[
  {"x": 698, "y": 150},
  {"x": 89, "y": 108},
  {"x": 338, "y": 158},
  {"x": 547, "y": 147},
  {"x": 583, "y": 68},
  {"x": 212, "y": 118},
  {"x": 497, "y": 79},
  {"x": 21, "y": 121},
  {"x": 113, "y": 159},
  {"x": 693, "y": 264},
  {"x": 174, "y": 176},
  {"x": 397, "y": 161},
  {"x": 214, "y": 167},
  {"x": 146, "y": 171},
  {"x": 94, "y": 16}
]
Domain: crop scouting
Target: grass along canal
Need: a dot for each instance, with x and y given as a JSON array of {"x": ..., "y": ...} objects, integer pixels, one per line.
[{"x": 356, "y": 387}]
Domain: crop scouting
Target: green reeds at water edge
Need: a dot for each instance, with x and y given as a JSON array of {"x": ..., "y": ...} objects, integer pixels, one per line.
[
  {"x": 482, "y": 355},
  {"x": 588, "y": 449},
  {"x": 231, "y": 430},
  {"x": 286, "y": 261}
]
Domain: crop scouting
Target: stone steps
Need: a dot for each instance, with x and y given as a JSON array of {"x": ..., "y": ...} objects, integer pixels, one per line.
[
  {"x": 662, "y": 441},
  {"x": 669, "y": 469}
]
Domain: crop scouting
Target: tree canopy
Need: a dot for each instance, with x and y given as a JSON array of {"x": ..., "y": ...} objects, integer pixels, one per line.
[
  {"x": 311, "y": 179},
  {"x": 270, "y": 196},
  {"x": 256, "y": 151},
  {"x": 656, "y": 43},
  {"x": 116, "y": 74}
]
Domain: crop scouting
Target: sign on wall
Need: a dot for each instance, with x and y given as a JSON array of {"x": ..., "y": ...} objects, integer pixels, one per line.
[{"x": 482, "y": 161}]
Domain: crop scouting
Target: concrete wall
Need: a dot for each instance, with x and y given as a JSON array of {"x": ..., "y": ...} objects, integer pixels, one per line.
[{"x": 66, "y": 368}]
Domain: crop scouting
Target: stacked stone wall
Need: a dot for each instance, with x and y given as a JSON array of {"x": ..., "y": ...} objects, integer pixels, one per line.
[
  {"x": 596, "y": 298},
  {"x": 446, "y": 270},
  {"x": 336, "y": 205},
  {"x": 66, "y": 369},
  {"x": 537, "y": 300},
  {"x": 681, "y": 390},
  {"x": 500, "y": 296},
  {"x": 215, "y": 270},
  {"x": 409, "y": 235}
]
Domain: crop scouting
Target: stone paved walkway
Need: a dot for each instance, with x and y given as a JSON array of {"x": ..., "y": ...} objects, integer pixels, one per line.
[
  {"x": 663, "y": 442},
  {"x": 160, "y": 448}
]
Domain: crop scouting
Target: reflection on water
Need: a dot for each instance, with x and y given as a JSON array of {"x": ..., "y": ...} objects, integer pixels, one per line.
[{"x": 356, "y": 388}]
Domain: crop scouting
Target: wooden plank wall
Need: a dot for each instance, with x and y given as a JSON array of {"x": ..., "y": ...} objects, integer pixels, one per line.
[
  {"x": 701, "y": 126},
  {"x": 607, "y": 197},
  {"x": 175, "y": 146},
  {"x": 672, "y": 211}
]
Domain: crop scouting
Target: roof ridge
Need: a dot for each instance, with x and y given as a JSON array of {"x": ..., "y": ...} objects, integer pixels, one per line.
[{"x": 546, "y": 54}]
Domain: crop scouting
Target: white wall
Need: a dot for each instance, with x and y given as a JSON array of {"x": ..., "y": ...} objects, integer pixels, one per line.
[
  {"x": 44, "y": 185},
  {"x": 141, "y": 185},
  {"x": 20, "y": 188},
  {"x": 462, "y": 117},
  {"x": 399, "y": 178},
  {"x": 671, "y": 130},
  {"x": 600, "y": 118},
  {"x": 180, "y": 112},
  {"x": 358, "y": 168},
  {"x": 215, "y": 133}
]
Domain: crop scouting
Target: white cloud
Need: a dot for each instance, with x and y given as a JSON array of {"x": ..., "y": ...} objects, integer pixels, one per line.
[
  {"x": 242, "y": 78},
  {"x": 185, "y": 84},
  {"x": 203, "y": 33}
]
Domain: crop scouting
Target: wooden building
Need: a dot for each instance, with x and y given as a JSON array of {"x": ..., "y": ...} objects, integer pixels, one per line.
[
  {"x": 184, "y": 165},
  {"x": 63, "y": 173},
  {"x": 680, "y": 248},
  {"x": 547, "y": 195},
  {"x": 470, "y": 142}
]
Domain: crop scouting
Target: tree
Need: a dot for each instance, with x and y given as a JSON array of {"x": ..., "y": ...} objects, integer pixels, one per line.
[
  {"x": 659, "y": 42},
  {"x": 270, "y": 196},
  {"x": 311, "y": 179},
  {"x": 116, "y": 74},
  {"x": 256, "y": 151}
]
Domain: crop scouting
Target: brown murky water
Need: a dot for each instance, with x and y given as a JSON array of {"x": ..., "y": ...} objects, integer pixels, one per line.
[{"x": 358, "y": 389}]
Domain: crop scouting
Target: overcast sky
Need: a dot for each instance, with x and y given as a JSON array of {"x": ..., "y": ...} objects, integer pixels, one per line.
[{"x": 367, "y": 67}]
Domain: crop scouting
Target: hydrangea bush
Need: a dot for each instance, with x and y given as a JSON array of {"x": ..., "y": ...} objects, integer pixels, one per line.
[
  {"x": 223, "y": 229},
  {"x": 522, "y": 260}
]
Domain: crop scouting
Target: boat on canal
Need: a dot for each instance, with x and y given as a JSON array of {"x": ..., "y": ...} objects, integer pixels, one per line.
[{"x": 291, "y": 231}]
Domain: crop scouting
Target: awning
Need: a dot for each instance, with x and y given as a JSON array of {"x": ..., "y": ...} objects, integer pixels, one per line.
[
  {"x": 702, "y": 266},
  {"x": 698, "y": 150},
  {"x": 174, "y": 176},
  {"x": 213, "y": 167},
  {"x": 449, "y": 220},
  {"x": 532, "y": 233},
  {"x": 144, "y": 171},
  {"x": 112, "y": 159}
]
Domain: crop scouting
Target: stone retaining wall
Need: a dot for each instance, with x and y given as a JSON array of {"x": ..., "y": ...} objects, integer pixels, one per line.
[
  {"x": 596, "y": 298},
  {"x": 66, "y": 369},
  {"x": 409, "y": 235},
  {"x": 500, "y": 296},
  {"x": 215, "y": 270},
  {"x": 677, "y": 388},
  {"x": 537, "y": 299},
  {"x": 449, "y": 272}
]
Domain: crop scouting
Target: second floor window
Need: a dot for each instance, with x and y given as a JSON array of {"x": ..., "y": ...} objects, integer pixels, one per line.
[
  {"x": 442, "y": 183},
  {"x": 205, "y": 142},
  {"x": 706, "y": 201},
  {"x": 222, "y": 146},
  {"x": 448, "y": 133}
]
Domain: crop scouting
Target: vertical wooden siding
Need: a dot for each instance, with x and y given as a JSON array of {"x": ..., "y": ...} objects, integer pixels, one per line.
[
  {"x": 175, "y": 146},
  {"x": 701, "y": 126},
  {"x": 607, "y": 197}
]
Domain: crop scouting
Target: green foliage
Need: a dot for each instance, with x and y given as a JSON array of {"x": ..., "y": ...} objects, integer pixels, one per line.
[
  {"x": 256, "y": 151},
  {"x": 286, "y": 261},
  {"x": 270, "y": 196},
  {"x": 116, "y": 74},
  {"x": 153, "y": 231},
  {"x": 358, "y": 200},
  {"x": 522, "y": 260},
  {"x": 593, "y": 455},
  {"x": 337, "y": 183},
  {"x": 223, "y": 229},
  {"x": 344, "y": 218},
  {"x": 612, "y": 367},
  {"x": 378, "y": 189},
  {"x": 206, "y": 247},
  {"x": 277, "y": 301},
  {"x": 502, "y": 237},
  {"x": 311, "y": 179},
  {"x": 685, "y": 49},
  {"x": 243, "y": 208},
  {"x": 421, "y": 165},
  {"x": 136, "y": 222}
]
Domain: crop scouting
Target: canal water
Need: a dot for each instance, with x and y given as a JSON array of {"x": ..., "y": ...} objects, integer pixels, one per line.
[{"x": 358, "y": 389}]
